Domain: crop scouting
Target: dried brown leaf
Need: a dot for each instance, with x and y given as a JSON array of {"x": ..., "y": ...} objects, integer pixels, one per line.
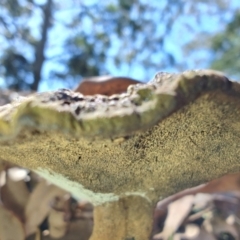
[
  {"x": 59, "y": 216},
  {"x": 204, "y": 235},
  {"x": 191, "y": 232},
  {"x": 218, "y": 226},
  {"x": 38, "y": 205},
  {"x": 202, "y": 200},
  {"x": 14, "y": 195},
  {"x": 11, "y": 227},
  {"x": 58, "y": 226},
  {"x": 80, "y": 229},
  {"x": 105, "y": 85},
  {"x": 177, "y": 212},
  {"x": 230, "y": 182}
]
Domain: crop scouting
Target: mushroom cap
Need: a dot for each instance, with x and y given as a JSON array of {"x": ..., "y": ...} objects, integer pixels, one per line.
[{"x": 177, "y": 131}]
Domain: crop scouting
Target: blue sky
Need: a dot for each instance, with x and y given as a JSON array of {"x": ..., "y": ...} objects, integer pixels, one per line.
[{"x": 175, "y": 42}]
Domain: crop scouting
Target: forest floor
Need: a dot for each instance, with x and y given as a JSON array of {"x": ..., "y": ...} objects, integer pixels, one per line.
[{"x": 33, "y": 209}]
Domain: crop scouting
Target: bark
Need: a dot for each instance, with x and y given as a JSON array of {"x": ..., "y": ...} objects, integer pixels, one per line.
[{"x": 40, "y": 47}]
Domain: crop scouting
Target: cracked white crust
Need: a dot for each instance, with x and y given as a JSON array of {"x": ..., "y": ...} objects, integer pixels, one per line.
[{"x": 142, "y": 106}]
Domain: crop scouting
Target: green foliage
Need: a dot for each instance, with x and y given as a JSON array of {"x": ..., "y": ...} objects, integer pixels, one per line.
[
  {"x": 21, "y": 44},
  {"x": 226, "y": 48},
  {"x": 16, "y": 65}
]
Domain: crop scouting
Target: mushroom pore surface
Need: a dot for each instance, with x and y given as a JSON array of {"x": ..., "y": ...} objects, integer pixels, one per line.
[{"x": 177, "y": 131}]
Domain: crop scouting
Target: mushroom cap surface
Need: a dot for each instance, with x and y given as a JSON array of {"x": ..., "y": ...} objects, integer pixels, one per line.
[{"x": 175, "y": 132}]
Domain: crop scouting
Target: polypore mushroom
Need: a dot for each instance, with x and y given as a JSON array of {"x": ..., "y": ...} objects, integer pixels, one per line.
[{"x": 177, "y": 131}]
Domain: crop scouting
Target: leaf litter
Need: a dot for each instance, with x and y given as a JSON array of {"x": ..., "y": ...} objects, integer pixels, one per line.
[{"x": 33, "y": 209}]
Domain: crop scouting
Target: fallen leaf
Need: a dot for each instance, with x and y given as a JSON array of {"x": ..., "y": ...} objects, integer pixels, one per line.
[
  {"x": 177, "y": 212},
  {"x": 59, "y": 216},
  {"x": 14, "y": 196},
  {"x": 204, "y": 235},
  {"x": 38, "y": 205},
  {"x": 105, "y": 85},
  {"x": 11, "y": 228},
  {"x": 219, "y": 227},
  {"x": 192, "y": 231},
  {"x": 57, "y": 225}
]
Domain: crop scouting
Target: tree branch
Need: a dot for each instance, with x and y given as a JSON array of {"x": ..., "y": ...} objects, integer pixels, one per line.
[{"x": 40, "y": 47}]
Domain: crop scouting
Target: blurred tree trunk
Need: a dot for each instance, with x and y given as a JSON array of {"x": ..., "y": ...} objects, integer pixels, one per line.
[{"x": 40, "y": 46}]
